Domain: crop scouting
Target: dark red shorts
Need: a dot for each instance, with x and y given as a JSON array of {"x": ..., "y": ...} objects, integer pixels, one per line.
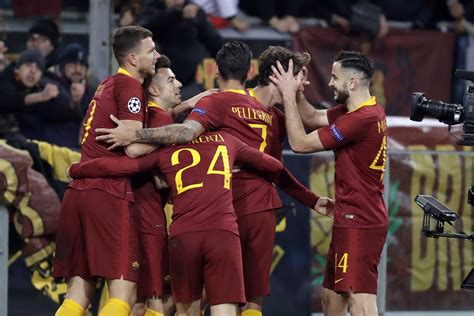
[
  {"x": 154, "y": 266},
  {"x": 352, "y": 260},
  {"x": 210, "y": 257},
  {"x": 96, "y": 237},
  {"x": 257, "y": 236}
]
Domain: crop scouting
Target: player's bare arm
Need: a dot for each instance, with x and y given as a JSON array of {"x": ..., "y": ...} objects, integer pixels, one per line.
[
  {"x": 124, "y": 135},
  {"x": 137, "y": 150},
  {"x": 170, "y": 134},
  {"x": 312, "y": 118},
  {"x": 300, "y": 142}
]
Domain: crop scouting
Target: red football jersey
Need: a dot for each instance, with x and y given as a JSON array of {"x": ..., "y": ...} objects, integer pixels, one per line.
[
  {"x": 240, "y": 114},
  {"x": 359, "y": 141},
  {"x": 149, "y": 203},
  {"x": 199, "y": 174},
  {"x": 123, "y": 96}
]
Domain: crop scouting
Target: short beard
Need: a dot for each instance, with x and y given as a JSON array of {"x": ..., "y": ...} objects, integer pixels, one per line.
[{"x": 342, "y": 95}]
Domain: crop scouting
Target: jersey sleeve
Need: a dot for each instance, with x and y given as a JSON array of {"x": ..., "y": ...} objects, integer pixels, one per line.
[
  {"x": 345, "y": 130},
  {"x": 209, "y": 113},
  {"x": 291, "y": 186},
  {"x": 254, "y": 157},
  {"x": 130, "y": 99},
  {"x": 334, "y": 113},
  {"x": 113, "y": 166}
]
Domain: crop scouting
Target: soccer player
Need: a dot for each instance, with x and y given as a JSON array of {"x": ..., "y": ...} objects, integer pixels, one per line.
[
  {"x": 204, "y": 240},
  {"x": 356, "y": 130},
  {"x": 163, "y": 91},
  {"x": 95, "y": 236}
]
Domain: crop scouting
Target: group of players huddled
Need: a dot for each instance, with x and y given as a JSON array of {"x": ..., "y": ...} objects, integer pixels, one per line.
[{"x": 219, "y": 169}]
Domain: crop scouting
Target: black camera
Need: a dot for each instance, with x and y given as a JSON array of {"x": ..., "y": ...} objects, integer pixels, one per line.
[{"x": 448, "y": 113}]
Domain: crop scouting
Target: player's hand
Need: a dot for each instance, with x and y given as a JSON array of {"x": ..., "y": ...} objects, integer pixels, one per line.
[
  {"x": 68, "y": 175},
  {"x": 190, "y": 103},
  {"x": 120, "y": 136},
  {"x": 286, "y": 82},
  {"x": 325, "y": 206},
  {"x": 160, "y": 182}
]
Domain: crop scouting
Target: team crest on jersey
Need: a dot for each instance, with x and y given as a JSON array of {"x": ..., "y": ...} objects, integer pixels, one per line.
[
  {"x": 134, "y": 105},
  {"x": 336, "y": 133}
]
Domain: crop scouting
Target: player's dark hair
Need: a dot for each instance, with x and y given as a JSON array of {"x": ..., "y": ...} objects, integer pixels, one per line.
[
  {"x": 233, "y": 61},
  {"x": 278, "y": 53},
  {"x": 127, "y": 39},
  {"x": 357, "y": 61},
  {"x": 162, "y": 62}
]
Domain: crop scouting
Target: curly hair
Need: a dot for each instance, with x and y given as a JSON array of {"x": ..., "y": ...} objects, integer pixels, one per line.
[{"x": 273, "y": 54}]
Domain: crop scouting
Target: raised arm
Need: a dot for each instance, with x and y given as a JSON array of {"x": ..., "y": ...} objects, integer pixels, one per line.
[
  {"x": 191, "y": 102},
  {"x": 123, "y": 135},
  {"x": 288, "y": 85},
  {"x": 311, "y": 117}
]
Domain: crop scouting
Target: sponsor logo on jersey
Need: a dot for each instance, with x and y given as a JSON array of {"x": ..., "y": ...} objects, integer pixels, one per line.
[
  {"x": 134, "y": 105},
  {"x": 336, "y": 133}
]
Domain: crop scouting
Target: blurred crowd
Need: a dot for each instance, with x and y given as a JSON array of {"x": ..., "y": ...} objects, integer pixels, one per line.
[{"x": 46, "y": 89}]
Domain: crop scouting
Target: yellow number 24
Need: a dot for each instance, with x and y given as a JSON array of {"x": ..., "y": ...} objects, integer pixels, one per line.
[{"x": 220, "y": 153}]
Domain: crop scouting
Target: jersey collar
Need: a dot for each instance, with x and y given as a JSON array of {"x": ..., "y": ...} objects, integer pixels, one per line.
[
  {"x": 152, "y": 104},
  {"x": 249, "y": 92},
  {"x": 124, "y": 72},
  {"x": 370, "y": 102}
]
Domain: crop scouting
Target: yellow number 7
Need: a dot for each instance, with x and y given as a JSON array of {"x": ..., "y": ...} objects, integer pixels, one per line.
[{"x": 262, "y": 127}]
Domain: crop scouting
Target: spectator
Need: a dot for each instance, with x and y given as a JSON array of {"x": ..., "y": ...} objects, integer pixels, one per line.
[
  {"x": 338, "y": 13},
  {"x": 129, "y": 10},
  {"x": 184, "y": 35},
  {"x": 462, "y": 12},
  {"x": 223, "y": 13},
  {"x": 44, "y": 35},
  {"x": 21, "y": 90},
  {"x": 34, "y": 105},
  {"x": 279, "y": 14},
  {"x": 416, "y": 11},
  {"x": 72, "y": 72}
]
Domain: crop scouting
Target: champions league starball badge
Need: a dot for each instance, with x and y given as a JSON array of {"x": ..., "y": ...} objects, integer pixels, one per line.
[{"x": 134, "y": 105}]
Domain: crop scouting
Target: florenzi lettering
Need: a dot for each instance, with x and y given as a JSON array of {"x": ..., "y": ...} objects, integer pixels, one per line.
[
  {"x": 252, "y": 114},
  {"x": 208, "y": 138}
]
